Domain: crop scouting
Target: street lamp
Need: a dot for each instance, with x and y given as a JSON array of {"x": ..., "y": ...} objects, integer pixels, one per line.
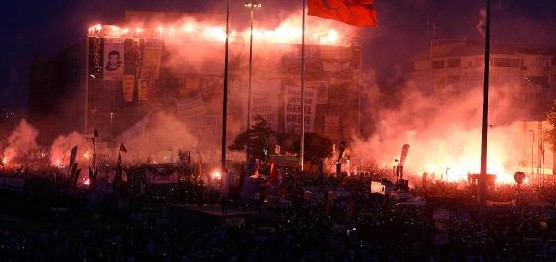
[{"x": 251, "y": 4}]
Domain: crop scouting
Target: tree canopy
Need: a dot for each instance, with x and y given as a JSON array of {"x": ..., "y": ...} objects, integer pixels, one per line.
[
  {"x": 260, "y": 139},
  {"x": 550, "y": 133}
]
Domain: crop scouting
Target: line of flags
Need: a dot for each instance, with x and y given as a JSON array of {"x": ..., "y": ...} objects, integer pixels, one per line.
[
  {"x": 352, "y": 12},
  {"x": 75, "y": 172}
]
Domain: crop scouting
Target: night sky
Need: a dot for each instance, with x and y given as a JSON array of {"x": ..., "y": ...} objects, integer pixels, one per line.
[{"x": 45, "y": 27}]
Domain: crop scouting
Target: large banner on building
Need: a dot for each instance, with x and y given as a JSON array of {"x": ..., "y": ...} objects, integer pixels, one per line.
[
  {"x": 292, "y": 108},
  {"x": 143, "y": 89},
  {"x": 190, "y": 106},
  {"x": 264, "y": 102},
  {"x": 152, "y": 54},
  {"x": 128, "y": 84},
  {"x": 113, "y": 59}
]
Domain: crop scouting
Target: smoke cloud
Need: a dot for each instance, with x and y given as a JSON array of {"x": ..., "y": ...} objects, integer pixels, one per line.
[
  {"x": 21, "y": 142},
  {"x": 443, "y": 128}
]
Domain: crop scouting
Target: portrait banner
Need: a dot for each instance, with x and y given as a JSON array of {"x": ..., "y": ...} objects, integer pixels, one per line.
[{"x": 113, "y": 59}]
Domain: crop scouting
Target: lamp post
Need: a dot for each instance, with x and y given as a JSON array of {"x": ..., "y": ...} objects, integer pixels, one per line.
[{"x": 251, "y": 4}]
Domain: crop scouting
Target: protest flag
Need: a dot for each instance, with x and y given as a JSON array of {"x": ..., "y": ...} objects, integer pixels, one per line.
[{"x": 352, "y": 12}]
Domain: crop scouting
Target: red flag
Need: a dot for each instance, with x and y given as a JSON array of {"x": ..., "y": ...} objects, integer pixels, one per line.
[
  {"x": 123, "y": 148},
  {"x": 273, "y": 176},
  {"x": 73, "y": 155},
  {"x": 351, "y": 12}
]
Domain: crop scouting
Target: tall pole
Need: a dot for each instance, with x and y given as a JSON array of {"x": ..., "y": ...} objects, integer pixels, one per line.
[
  {"x": 87, "y": 87},
  {"x": 251, "y": 5},
  {"x": 225, "y": 91},
  {"x": 484, "y": 138},
  {"x": 250, "y": 65},
  {"x": 302, "y": 88}
]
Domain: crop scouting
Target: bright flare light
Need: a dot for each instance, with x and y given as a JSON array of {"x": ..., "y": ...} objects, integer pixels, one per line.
[
  {"x": 87, "y": 155},
  {"x": 289, "y": 31},
  {"x": 216, "y": 174}
]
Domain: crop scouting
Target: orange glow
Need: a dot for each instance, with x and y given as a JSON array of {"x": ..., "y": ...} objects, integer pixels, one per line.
[
  {"x": 289, "y": 31},
  {"x": 160, "y": 30},
  {"x": 216, "y": 174},
  {"x": 58, "y": 162},
  {"x": 87, "y": 155}
]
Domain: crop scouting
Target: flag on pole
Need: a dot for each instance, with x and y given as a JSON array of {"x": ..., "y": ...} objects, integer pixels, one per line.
[
  {"x": 273, "y": 174},
  {"x": 117, "y": 180},
  {"x": 351, "y": 12},
  {"x": 73, "y": 155}
]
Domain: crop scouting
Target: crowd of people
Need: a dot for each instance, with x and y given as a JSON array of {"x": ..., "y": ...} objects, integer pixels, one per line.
[{"x": 132, "y": 223}]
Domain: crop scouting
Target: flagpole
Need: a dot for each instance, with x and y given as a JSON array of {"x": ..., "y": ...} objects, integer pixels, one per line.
[
  {"x": 484, "y": 138},
  {"x": 94, "y": 157},
  {"x": 251, "y": 5},
  {"x": 302, "y": 88},
  {"x": 225, "y": 91}
]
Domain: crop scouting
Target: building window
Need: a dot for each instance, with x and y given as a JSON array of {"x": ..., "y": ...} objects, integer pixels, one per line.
[{"x": 437, "y": 64}]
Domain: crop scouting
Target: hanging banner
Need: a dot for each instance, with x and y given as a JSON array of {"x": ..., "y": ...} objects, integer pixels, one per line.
[
  {"x": 113, "y": 59},
  {"x": 263, "y": 101},
  {"x": 292, "y": 112},
  {"x": 128, "y": 83},
  {"x": 95, "y": 55},
  {"x": 150, "y": 62},
  {"x": 143, "y": 90},
  {"x": 191, "y": 106}
]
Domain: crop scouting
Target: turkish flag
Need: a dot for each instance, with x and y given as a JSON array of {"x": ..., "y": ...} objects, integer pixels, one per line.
[{"x": 351, "y": 12}]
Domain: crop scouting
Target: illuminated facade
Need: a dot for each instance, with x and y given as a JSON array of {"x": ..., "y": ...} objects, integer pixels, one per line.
[
  {"x": 527, "y": 74},
  {"x": 178, "y": 68}
]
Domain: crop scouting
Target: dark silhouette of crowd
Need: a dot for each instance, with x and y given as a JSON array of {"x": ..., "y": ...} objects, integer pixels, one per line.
[{"x": 308, "y": 216}]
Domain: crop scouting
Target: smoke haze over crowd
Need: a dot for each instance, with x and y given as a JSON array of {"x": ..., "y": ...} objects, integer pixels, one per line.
[{"x": 440, "y": 124}]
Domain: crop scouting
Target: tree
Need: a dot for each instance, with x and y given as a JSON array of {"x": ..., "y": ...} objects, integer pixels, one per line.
[
  {"x": 259, "y": 139},
  {"x": 256, "y": 140},
  {"x": 550, "y": 133}
]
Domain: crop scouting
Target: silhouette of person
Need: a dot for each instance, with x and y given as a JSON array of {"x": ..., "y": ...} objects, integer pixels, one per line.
[{"x": 113, "y": 61}]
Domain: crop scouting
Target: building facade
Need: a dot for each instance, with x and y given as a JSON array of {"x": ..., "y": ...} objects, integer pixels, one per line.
[
  {"x": 527, "y": 74},
  {"x": 522, "y": 82},
  {"x": 174, "y": 63}
]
